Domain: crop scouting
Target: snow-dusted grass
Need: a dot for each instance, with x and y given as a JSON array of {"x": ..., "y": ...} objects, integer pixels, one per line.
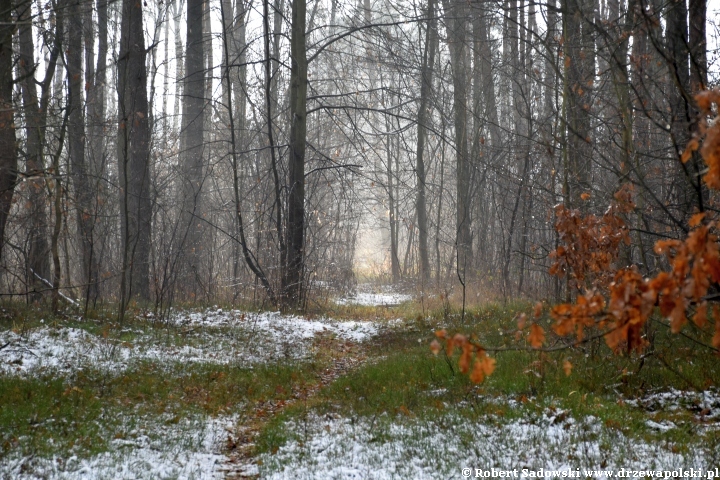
[
  {"x": 150, "y": 400},
  {"x": 278, "y": 326},
  {"x": 212, "y": 336},
  {"x": 143, "y": 448},
  {"x": 157, "y": 399},
  {"x": 409, "y": 414},
  {"x": 370, "y": 296},
  {"x": 371, "y": 448}
]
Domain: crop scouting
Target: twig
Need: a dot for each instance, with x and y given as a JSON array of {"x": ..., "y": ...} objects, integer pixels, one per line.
[{"x": 47, "y": 282}]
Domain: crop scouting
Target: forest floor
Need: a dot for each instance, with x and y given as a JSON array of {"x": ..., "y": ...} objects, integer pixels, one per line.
[{"x": 349, "y": 391}]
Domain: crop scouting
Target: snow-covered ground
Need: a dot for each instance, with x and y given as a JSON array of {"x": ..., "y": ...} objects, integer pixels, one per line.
[
  {"x": 158, "y": 448},
  {"x": 275, "y": 324},
  {"x": 705, "y": 404},
  {"x": 189, "y": 449},
  {"x": 213, "y": 336},
  {"x": 344, "y": 448},
  {"x": 330, "y": 446},
  {"x": 370, "y": 296}
]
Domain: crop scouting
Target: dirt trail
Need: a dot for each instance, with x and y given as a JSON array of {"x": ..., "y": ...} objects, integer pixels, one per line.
[{"x": 339, "y": 356}]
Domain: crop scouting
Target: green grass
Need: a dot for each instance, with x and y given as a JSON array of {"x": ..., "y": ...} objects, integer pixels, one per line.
[
  {"x": 402, "y": 381},
  {"x": 49, "y": 415},
  {"x": 405, "y": 380}
]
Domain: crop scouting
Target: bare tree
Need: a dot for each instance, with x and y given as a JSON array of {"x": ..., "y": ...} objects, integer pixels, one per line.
[
  {"x": 8, "y": 149},
  {"x": 192, "y": 144},
  {"x": 133, "y": 154},
  {"x": 292, "y": 277},
  {"x": 422, "y": 119},
  {"x": 456, "y": 20}
]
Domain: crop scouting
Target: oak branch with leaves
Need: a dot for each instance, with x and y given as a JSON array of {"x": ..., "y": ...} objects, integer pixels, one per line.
[{"x": 616, "y": 303}]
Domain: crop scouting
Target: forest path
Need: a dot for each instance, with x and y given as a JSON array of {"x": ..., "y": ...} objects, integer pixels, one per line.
[{"x": 335, "y": 357}]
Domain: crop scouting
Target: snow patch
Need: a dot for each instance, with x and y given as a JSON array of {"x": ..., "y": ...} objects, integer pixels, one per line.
[
  {"x": 348, "y": 448},
  {"x": 187, "y": 450},
  {"x": 213, "y": 336},
  {"x": 370, "y": 296},
  {"x": 279, "y": 326},
  {"x": 705, "y": 405}
]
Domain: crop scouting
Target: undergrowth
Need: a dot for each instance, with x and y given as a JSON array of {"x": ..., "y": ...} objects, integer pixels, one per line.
[
  {"x": 405, "y": 382},
  {"x": 400, "y": 382}
]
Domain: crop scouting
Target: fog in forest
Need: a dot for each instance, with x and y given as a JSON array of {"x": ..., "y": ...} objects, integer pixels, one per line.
[{"x": 253, "y": 151}]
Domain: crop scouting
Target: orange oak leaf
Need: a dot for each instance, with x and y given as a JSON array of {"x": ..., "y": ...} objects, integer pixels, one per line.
[
  {"x": 435, "y": 347},
  {"x": 696, "y": 219},
  {"x": 477, "y": 375},
  {"x": 537, "y": 336},
  {"x": 464, "y": 362}
]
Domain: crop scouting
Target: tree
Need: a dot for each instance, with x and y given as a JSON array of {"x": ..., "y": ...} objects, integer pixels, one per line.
[
  {"x": 456, "y": 24},
  {"x": 85, "y": 213},
  {"x": 579, "y": 78},
  {"x": 8, "y": 149},
  {"x": 95, "y": 148},
  {"x": 133, "y": 154},
  {"x": 360, "y": 120},
  {"x": 292, "y": 277},
  {"x": 35, "y": 110},
  {"x": 426, "y": 73},
  {"x": 192, "y": 144}
]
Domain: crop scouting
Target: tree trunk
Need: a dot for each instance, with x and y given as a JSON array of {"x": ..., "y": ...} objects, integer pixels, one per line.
[
  {"x": 35, "y": 116},
  {"x": 239, "y": 82},
  {"x": 681, "y": 103},
  {"x": 177, "y": 6},
  {"x": 76, "y": 148},
  {"x": 422, "y": 119},
  {"x": 480, "y": 28},
  {"x": 192, "y": 144},
  {"x": 579, "y": 74},
  {"x": 698, "y": 45},
  {"x": 270, "y": 108},
  {"x": 292, "y": 281},
  {"x": 456, "y": 15},
  {"x": 392, "y": 209},
  {"x": 250, "y": 259},
  {"x": 133, "y": 156},
  {"x": 8, "y": 148}
]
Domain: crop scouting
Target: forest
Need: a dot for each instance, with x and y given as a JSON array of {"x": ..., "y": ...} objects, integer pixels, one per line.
[{"x": 269, "y": 238}]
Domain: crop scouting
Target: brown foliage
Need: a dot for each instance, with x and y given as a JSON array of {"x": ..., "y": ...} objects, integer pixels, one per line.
[
  {"x": 618, "y": 302},
  {"x": 591, "y": 246}
]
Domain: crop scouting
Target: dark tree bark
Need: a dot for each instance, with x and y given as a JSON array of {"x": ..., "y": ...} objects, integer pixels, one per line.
[
  {"x": 422, "y": 120},
  {"x": 85, "y": 213},
  {"x": 676, "y": 44},
  {"x": 8, "y": 148},
  {"x": 484, "y": 52},
  {"x": 95, "y": 149},
  {"x": 250, "y": 259},
  {"x": 292, "y": 279},
  {"x": 270, "y": 71},
  {"x": 133, "y": 156},
  {"x": 579, "y": 75},
  {"x": 192, "y": 143},
  {"x": 456, "y": 21},
  {"x": 239, "y": 91},
  {"x": 177, "y": 9},
  {"x": 698, "y": 45},
  {"x": 392, "y": 208},
  {"x": 35, "y": 110}
]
